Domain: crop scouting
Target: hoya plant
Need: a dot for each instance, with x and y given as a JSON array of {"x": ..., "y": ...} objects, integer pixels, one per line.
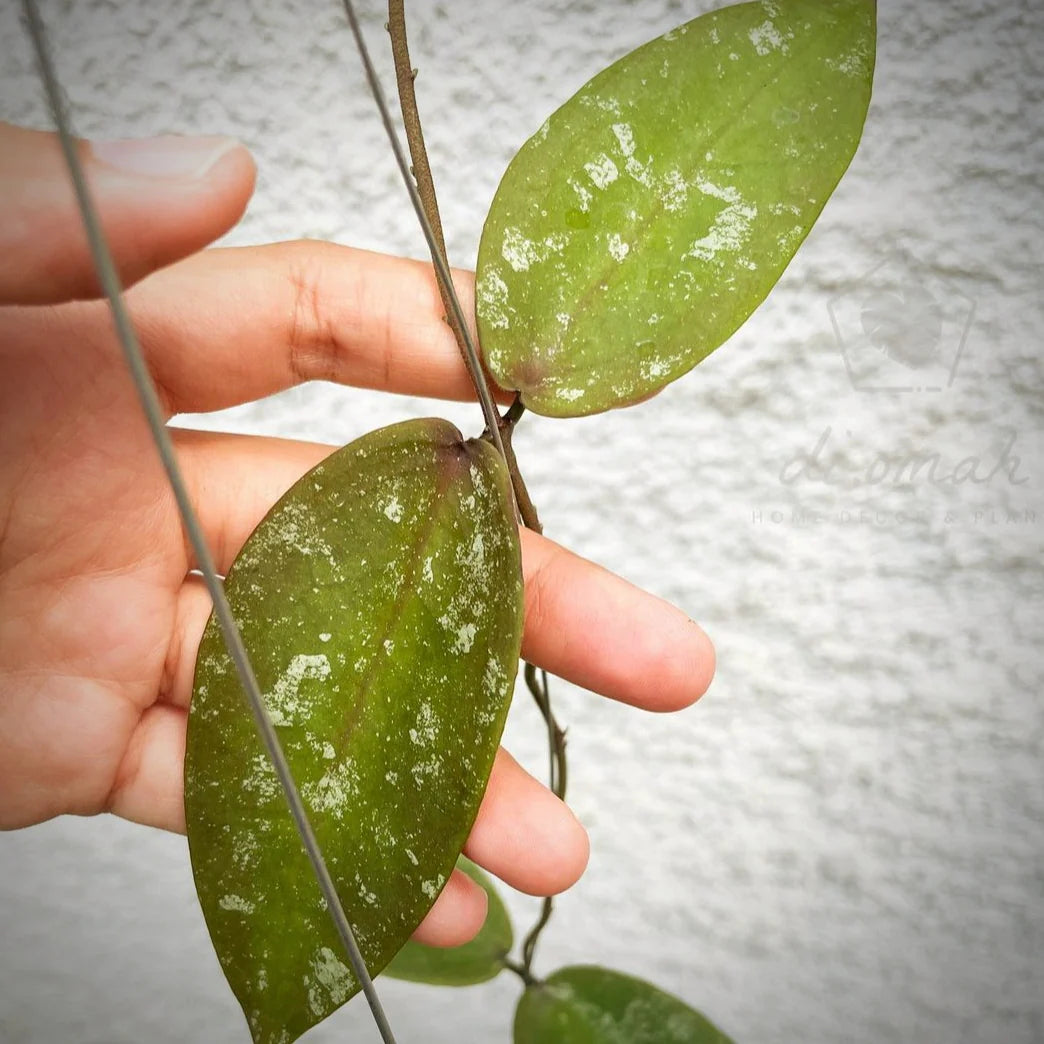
[{"x": 380, "y": 600}]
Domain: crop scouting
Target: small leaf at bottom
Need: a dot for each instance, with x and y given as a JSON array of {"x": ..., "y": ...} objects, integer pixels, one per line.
[
  {"x": 590, "y": 1005},
  {"x": 476, "y": 961}
]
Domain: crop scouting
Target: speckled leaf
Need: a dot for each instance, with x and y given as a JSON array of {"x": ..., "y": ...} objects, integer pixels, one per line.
[
  {"x": 381, "y": 603},
  {"x": 589, "y": 1005},
  {"x": 655, "y": 210},
  {"x": 474, "y": 962}
]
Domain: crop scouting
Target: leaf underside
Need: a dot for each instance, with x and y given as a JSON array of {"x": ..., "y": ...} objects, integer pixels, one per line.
[
  {"x": 476, "y": 961},
  {"x": 589, "y": 1005},
  {"x": 381, "y": 604},
  {"x": 652, "y": 213}
]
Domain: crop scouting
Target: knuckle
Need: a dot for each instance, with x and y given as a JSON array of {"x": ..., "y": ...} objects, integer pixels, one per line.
[{"x": 311, "y": 340}]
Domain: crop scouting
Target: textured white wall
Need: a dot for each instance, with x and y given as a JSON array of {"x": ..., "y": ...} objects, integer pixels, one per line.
[{"x": 843, "y": 841}]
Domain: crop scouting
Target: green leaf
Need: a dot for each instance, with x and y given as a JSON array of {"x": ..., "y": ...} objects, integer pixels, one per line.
[
  {"x": 590, "y": 1005},
  {"x": 381, "y": 603},
  {"x": 652, "y": 213},
  {"x": 475, "y": 961}
]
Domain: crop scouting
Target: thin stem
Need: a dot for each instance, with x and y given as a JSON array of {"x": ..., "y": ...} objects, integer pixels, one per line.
[
  {"x": 556, "y": 745},
  {"x": 514, "y": 411},
  {"x": 520, "y": 970},
  {"x": 556, "y": 737},
  {"x": 405, "y": 75},
  {"x": 471, "y": 357},
  {"x": 526, "y": 508},
  {"x": 529, "y": 946},
  {"x": 110, "y": 283}
]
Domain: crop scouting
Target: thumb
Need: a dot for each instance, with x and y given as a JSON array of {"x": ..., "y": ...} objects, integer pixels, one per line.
[{"x": 159, "y": 199}]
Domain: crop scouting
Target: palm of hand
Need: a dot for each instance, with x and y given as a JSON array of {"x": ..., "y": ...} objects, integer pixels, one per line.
[{"x": 92, "y": 561}]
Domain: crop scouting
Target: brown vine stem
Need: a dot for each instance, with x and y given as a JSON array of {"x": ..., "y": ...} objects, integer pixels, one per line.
[
  {"x": 405, "y": 76},
  {"x": 445, "y": 278},
  {"x": 520, "y": 970}
]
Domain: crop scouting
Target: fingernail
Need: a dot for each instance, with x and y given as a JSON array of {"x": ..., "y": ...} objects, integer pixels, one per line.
[{"x": 169, "y": 156}]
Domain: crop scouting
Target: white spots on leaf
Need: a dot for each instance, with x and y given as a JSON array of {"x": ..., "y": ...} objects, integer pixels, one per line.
[
  {"x": 766, "y": 38},
  {"x": 392, "y": 509},
  {"x": 674, "y": 190},
  {"x": 427, "y": 573},
  {"x": 654, "y": 370},
  {"x": 261, "y": 779},
  {"x": 424, "y": 769},
  {"x": 284, "y": 701},
  {"x": 333, "y": 977},
  {"x": 625, "y": 139},
  {"x": 325, "y": 636},
  {"x": 411, "y": 857},
  {"x": 328, "y": 751},
  {"x": 583, "y": 194},
  {"x": 522, "y": 253},
  {"x": 610, "y": 105},
  {"x": 432, "y": 888},
  {"x": 474, "y": 556},
  {"x": 426, "y": 731},
  {"x": 294, "y": 526},
  {"x": 465, "y": 638},
  {"x": 618, "y": 249},
  {"x": 602, "y": 171},
  {"x": 569, "y": 394},
  {"x": 365, "y": 894},
  {"x": 657, "y": 369},
  {"x": 727, "y": 194},
  {"x": 492, "y": 300},
  {"x": 625, "y": 136},
  {"x": 245, "y": 849},
  {"x": 236, "y": 904},
  {"x": 494, "y": 678},
  {"x": 638, "y": 171},
  {"x": 333, "y": 791},
  {"x": 854, "y": 63},
  {"x": 789, "y": 241},
  {"x": 731, "y": 227}
]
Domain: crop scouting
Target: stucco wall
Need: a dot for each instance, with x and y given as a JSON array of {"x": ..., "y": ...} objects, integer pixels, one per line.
[{"x": 843, "y": 841}]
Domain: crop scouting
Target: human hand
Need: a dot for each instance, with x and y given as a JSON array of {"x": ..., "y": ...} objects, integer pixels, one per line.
[{"x": 100, "y": 613}]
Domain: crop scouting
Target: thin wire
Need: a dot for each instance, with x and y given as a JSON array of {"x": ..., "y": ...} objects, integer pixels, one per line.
[
  {"x": 110, "y": 282},
  {"x": 489, "y": 409}
]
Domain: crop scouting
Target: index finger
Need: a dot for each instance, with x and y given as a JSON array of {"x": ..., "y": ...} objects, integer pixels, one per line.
[{"x": 232, "y": 325}]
